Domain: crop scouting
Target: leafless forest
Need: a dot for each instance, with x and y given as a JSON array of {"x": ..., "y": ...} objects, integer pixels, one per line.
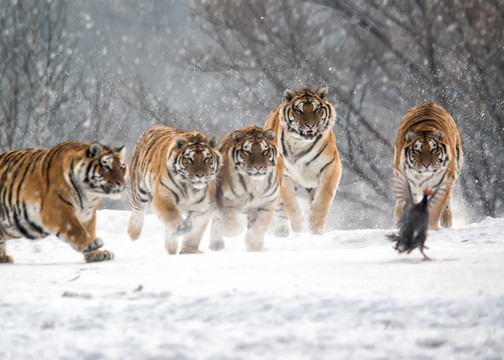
[{"x": 107, "y": 70}]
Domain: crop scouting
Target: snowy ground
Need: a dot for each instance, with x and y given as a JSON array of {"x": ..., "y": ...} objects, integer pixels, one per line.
[{"x": 344, "y": 295}]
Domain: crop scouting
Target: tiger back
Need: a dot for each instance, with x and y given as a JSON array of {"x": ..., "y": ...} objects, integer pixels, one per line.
[
  {"x": 429, "y": 150},
  {"x": 249, "y": 183},
  {"x": 303, "y": 127},
  {"x": 57, "y": 191},
  {"x": 176, "y": 172}
]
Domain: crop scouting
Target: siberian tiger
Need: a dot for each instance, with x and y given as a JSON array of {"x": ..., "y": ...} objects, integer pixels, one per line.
[
  {"x": 57, "y": 191},
  {"x": 177, "y": 173},
  {"x": 303, "y": 127},
  {"x": 429, "y": 150},
  {"x": 249, "y": 183}
]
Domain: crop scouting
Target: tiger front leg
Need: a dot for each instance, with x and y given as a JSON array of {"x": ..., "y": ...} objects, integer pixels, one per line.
[
  {"x": 231, "y": 224},
  {"x": 258, "y": 223},
  {"x": 437, "y": 212},
  {"x": 67, "y": 227},
  {"x": 323, "y": 197},
  {"x": 135, "y": 223},
  {"x": 192, "y": 239},
  {"x": 216, "y": 238},
  {"x": 446, "y": 215},
  {"x": 289, "y": 198},
  {"x": 281, "y": 221},
  {"x": 168, "y": 213},
  {"x": 4, "y": 258}
]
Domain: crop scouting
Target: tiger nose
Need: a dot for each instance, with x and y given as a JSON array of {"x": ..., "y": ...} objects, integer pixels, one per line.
[
  {"x": 310, "y": 125},
  {"x": 426, "y": 164},
  {"x": 258, "y": 166},
  {"x": 120, "y": 183},
  {"x": 199, "y": 174}
]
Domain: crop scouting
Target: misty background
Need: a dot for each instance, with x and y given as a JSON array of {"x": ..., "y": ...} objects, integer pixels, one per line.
[{"x": 106, "y": 71}]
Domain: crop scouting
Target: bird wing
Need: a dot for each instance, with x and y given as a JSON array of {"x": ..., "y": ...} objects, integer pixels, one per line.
[
  {"x": 439, "y": 192},
  {"x": 401, "y": 188}
]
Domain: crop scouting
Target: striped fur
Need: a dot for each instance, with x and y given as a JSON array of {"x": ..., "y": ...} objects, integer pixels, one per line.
[
  {"x": 303, "y": 125},
  {"x": 177, "y": 173},
  {"x": 428, "y": 149},
  {"x": 57, "y": 191},
  {"x": 249, "y": 183}
]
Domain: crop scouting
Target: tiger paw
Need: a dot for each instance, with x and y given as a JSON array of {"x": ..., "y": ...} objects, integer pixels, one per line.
[
  {"x": 282, "y": 231},
  {"x": 182, "y": 229},
  {"x": 96, "y": 244},
  {"x": 297, "y": 226},
  {"x": 317, "y": 230},
  {"x": 190, "y": 250},
  {"x": 6, "y": 259},
  {"x": 98, "y": 255},
  {"x": 171, "y": 246},
  {"x": 217, "y": 245},
  {"x": 255, "y": 246}
]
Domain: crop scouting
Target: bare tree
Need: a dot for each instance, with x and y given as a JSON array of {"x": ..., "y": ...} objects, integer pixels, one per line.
[
  {"x": 379, "y": 58},
  {"x": 36, "y": 81}
]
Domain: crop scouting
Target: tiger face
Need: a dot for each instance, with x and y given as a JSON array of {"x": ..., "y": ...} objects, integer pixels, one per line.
[
  {"x": 254, "y": 153},
  {"x": 106, "y": 170},
  {"x": 425, "y": 151},
  {"x": 196, "y": 161},
  {"x": 307, "y": 114}
]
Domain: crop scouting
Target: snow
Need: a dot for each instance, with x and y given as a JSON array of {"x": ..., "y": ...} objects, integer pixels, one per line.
[{"x": 343, "y": 295}]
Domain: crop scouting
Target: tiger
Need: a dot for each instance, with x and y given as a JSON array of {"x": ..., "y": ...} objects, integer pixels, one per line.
[
  {"x": 57, "y": 191},
  {"x": 429, "y": 151},
  {"x": 248, "y": 183},
  {"x": 303, "y": 127},
  {"x": 176, "y": 173}
]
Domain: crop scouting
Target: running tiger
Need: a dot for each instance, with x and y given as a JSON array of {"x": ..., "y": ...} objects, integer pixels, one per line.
[
  {"x": 249, "y": 183},
  {"x": 57, "y": 191},
  {"x": 303, "y": 127},
  {"x": 429, "y": 150},
  {"x": 177, "y": 173}
]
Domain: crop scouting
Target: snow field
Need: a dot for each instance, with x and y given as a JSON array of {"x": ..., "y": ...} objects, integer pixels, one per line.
[{"x": 343, "y": 295}]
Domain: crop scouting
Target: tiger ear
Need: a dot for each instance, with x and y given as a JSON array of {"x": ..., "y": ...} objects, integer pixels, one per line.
[
  {"x": 410, "y": 136},
  {"x": 289, "y": 94},
  {"x": 212, "y": 142},
  {"x": 122, "y": 151},
  {"x": 94, "y": 150},
  {"x": 180, "y": 142},
  {"x": 237, "y": 136},
  {"x": 269, "y": 134},
  {"x": 438, "y": 134},
  {"x": 322, "y": 92}
]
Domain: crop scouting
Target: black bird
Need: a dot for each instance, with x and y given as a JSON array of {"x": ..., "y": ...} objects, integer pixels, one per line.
[{"x": 414, "y": 220}]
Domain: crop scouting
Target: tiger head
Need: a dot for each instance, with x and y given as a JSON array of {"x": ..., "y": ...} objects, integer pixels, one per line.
[
  {"x": 425, "y": 151},
  {"x": 307, "y": 113},
  {"x": 254, "y": 152},
  {"x": 105, "y": 169},
  {"x": 194, "y": 159}
]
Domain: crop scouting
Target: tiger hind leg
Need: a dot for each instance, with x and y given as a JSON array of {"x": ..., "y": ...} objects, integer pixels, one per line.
[{"x": 4, "y": 258}]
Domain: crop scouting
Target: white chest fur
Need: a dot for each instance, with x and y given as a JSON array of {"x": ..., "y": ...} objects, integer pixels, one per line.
[
  {"x": 302, "y": 158},
  {"x": 424, "y": 180}
]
